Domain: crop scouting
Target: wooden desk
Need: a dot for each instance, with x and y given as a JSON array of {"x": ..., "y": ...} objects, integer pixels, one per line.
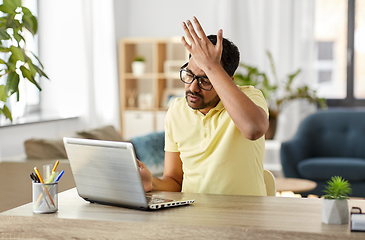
[{"x": 210, "y": 217}]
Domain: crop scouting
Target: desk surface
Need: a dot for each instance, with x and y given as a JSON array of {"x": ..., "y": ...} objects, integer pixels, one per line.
[{"x": 216, "y": 216}]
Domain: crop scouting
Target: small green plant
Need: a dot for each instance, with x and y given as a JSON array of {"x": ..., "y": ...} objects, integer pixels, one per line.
[
  {"x": 139, "y": 59},
  {"x": 337, "y": 188}
]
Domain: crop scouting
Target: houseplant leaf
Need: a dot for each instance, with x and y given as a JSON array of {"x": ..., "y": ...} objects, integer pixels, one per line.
[
  {"x": 6, "y": 112},
  {"x": 17, "y": 54},
  {"x": 5, "y": 8},
  {"x": 27, "y": 74},
  {"x": 40, "y": 72},
  {"x": 13, "y": 4},
  {"x": 3, "y": 96},
  {"x": 30, "y": 22},
  {"x": 4, "y": 35},
  {"x": 12, "y": 83}
]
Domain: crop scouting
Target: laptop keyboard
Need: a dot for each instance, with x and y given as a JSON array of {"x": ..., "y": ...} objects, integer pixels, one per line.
[{"x": 154, "y": 200}]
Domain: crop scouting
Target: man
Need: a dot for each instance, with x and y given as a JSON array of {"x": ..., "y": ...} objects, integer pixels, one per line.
[{"x": 214, "y": 137}]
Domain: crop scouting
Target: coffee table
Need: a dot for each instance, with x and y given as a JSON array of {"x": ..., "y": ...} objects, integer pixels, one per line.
[{"x": 296, "y": 185}]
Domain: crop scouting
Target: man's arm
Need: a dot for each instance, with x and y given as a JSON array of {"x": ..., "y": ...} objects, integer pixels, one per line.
[
  {"x": 249, "y": 118},
  {"x": 172, "y": 176}
]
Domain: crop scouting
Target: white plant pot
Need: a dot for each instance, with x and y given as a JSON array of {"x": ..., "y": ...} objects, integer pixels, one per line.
[
  {"x": 138, "y": 68},
  {"x": 335, "y": 211}
]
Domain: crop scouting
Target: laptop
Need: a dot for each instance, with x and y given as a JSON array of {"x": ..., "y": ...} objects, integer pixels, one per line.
[{"x": 107, "y": 172}]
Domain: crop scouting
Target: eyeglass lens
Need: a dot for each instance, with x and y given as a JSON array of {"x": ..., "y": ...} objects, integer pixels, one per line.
[{"x": 188, "y": 78}]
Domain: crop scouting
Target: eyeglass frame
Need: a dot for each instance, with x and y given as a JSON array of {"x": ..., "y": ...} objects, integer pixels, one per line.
[{"x": 198, "y": 78}]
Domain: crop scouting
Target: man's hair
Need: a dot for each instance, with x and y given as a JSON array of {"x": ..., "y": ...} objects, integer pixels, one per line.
[{"x": 230, "y": 55}]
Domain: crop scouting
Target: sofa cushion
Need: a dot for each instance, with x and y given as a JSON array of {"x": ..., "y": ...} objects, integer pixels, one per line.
[
  {"x": 107, "y": 133},
  {"x": 149, "y": 148},
  {"x": 351, "y": 169},
  {"x": 45, "y": 149}
]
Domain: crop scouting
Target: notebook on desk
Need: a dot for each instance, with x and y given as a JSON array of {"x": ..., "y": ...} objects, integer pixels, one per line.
[{"x": 107, "y": 172}]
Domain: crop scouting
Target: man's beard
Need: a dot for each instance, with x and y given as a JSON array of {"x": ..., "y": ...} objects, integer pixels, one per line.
[{"x": 203, "y": 104}]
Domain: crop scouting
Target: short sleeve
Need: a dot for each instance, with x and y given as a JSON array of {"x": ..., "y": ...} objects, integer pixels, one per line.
[
  {"x": 170, "y": 145},
  {"x": 256, "y": 96}
]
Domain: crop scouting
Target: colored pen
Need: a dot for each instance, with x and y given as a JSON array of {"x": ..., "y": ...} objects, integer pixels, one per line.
[
  {"x": 59, "y": 176},
  {"x": 55, "y": 166},
  {"x": 53, "y": 173},
  {"x": 44, "y": 188}
]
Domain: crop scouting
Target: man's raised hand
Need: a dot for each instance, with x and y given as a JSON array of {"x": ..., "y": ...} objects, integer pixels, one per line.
[{"x": 202, "y": 50}]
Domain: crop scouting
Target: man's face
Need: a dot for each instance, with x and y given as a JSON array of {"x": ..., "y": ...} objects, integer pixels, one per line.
[{"x": 197, "y": 98}]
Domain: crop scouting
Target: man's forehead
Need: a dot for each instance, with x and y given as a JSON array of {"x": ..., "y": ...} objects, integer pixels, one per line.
[{"x": 192, "y": 67}]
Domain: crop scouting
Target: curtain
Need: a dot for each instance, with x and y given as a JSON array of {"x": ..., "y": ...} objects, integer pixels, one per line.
[
  {"x": 79, "y": 52},
  {"x": 285, "y": 28}
]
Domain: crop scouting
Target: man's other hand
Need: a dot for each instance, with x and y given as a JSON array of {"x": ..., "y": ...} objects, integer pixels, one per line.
[{"x": 146, "y": 176}]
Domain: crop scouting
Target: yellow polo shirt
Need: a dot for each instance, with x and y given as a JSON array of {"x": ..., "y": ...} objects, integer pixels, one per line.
[{"x": 216, "y": 157}]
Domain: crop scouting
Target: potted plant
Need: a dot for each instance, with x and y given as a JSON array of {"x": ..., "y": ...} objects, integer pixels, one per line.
[
  {"x": 16, "y": 62},
  {"x": 335, "y": 205},
  {"x": 277, "y": 93},
  {"x": 138, "y": 66}
]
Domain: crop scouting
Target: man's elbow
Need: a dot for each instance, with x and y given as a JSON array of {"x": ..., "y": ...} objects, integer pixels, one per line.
[{"x": 256, "y": 132}]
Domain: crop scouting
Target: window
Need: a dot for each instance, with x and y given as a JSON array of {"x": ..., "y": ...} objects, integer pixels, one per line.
[{"x": 340, "y": 52}]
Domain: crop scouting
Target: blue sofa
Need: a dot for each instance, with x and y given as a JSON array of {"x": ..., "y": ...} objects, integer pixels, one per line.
[
  {"x": 149, "y": 149},
  {"x": 328, "y": 143}
]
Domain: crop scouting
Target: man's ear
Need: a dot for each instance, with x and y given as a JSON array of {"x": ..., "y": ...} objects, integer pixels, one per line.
[{"x": 232, "y": 78}]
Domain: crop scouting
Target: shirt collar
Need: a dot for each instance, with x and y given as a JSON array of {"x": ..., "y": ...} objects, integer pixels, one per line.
[{"x": 217, "y": 108}]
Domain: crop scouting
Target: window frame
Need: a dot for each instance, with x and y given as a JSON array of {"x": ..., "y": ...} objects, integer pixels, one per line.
[{"x": 350, "y": 100}]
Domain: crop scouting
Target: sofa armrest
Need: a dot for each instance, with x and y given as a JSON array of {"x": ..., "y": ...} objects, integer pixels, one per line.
[{"x": 291, "y": 153}]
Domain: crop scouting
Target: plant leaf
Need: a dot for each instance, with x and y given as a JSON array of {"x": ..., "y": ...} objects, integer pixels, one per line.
[
  {"x": 5, "y": 8},
  {"x": 18, "y": 37},
  {"x": 30, "y": 22},
  {"x": 7, "y": 113},
  {"x": 14, "y": 4},
  {"x": 3, "y": 96},
  {"x": 40, "y": 72},
  {"x": 4, "y": 35},
  {"x": 17, "y": 54},
  {"x": 32, "y": 69},
  {"x": 27, "y": 74},
  {"x": 12, "y": 23},
  {"x": 38, "y": 60},
  {"x": 272, "y": 65},
  {"x": 2, "y": 49},
  {"x": 12, "y": 83}
]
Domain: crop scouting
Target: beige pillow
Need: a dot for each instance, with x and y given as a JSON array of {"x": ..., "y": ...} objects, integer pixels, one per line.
[
  {"x": 45, "y": 149},
  {"x": 105, "y": 133}
]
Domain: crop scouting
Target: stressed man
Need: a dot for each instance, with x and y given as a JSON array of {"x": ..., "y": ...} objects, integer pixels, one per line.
[{"x": 214, "y": 137}]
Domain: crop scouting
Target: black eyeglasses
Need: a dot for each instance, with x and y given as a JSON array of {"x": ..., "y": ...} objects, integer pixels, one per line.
[{"x": 188, "y": 77}]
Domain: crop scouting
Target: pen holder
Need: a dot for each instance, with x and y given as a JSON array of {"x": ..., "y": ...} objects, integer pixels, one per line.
[{"x": 45, "y": 197}]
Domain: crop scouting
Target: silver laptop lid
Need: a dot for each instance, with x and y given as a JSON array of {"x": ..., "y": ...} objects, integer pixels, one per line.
[{"x": 106, "y": 172}]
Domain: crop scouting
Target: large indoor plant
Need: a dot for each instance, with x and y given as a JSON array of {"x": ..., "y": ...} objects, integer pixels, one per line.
[
  {"x": 16, "y": 62},
  {"x": 277, "y": 92},
  {"x": 335, "y": 205}
]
